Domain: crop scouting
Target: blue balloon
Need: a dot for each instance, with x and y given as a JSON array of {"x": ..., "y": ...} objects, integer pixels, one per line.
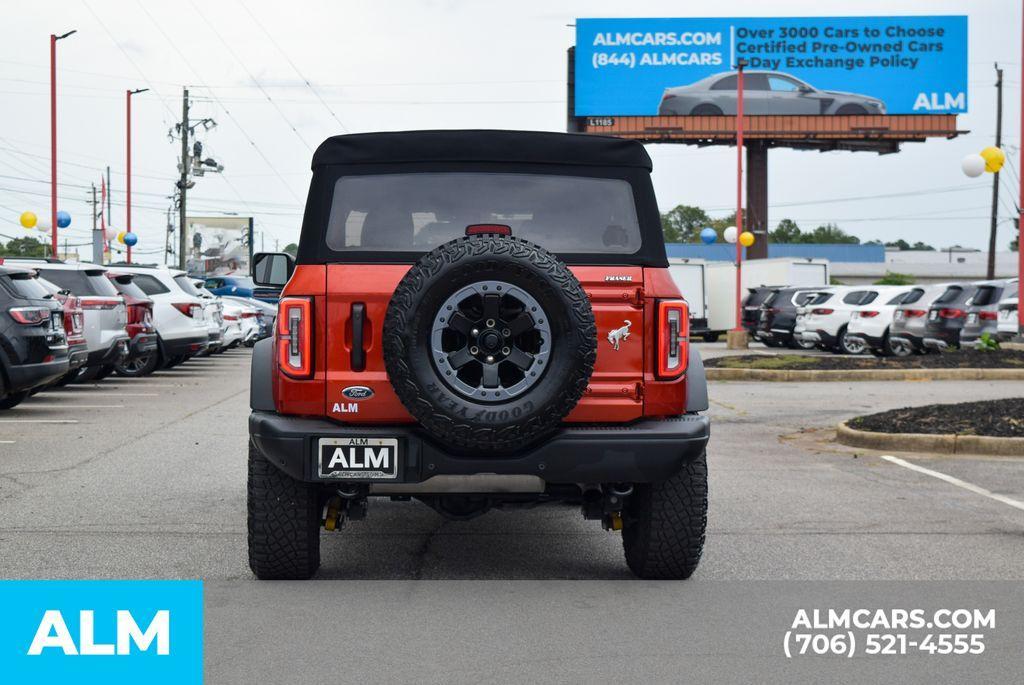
[
  {"x": 63, "y": 219},
  {"x": 130, "y": 239},
  {"x": 708, "y": 235}
]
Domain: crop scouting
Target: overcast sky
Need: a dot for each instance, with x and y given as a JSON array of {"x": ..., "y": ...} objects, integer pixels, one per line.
[{"x": 426, "y": 64}]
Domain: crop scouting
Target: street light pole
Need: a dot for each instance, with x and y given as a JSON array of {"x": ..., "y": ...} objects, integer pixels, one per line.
[
  {"x": 128, "y": 164},
  {"x": 53, "y": 140},
  {"x": 739, "y": 193},
  {"x": 1020, "y": 201}
]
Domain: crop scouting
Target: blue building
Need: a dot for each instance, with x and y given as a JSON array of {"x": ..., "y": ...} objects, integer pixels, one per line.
[{"x": 724, "y": 252}]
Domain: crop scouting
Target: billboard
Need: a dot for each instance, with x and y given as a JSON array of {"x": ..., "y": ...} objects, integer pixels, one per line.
[
  {"x": 795, "y": 66},
  {"x": 218, "y": 245}
]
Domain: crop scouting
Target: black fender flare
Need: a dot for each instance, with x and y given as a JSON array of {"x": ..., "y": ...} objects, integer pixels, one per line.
[
  {"x": 696, "y": 383},
  {"x": 261, "y": 379}
]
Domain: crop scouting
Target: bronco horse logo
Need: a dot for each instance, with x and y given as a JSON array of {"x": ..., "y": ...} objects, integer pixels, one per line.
[{"x": 619, "y": 334}]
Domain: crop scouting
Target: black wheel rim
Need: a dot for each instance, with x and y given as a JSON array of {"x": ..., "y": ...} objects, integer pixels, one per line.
[{"x": 491, "y": 341}]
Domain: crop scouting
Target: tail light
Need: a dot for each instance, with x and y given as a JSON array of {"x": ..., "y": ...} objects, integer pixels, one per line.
[
  {"x": 92, "y": 303},
  {"x": 248, "y": 315},
  {"x": 914, "y": 313},
  {"x": 295, "y": 336},
  {"x": 188, "y": 309},
  {"x": 822, "y": 312},
  {"x": 988, "y": 316},
  {"x": 868, "y": 315},
  {"x": 673, "y": 335},
  {"x": 29, "y": 316},
  {"x": 230, "y": 317},
  {"x": 485, "y": 229},
  {"x": 951, "y": 313}
]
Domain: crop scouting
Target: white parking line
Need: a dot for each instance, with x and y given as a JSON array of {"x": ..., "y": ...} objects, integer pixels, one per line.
[
  {"x": 976, "y": 489},
  {"x": 31, "y": 405},
  {"x": 38, "y": 421},
  {"x": 7, "y": 442},
  {"x": 55, "y": 393}
]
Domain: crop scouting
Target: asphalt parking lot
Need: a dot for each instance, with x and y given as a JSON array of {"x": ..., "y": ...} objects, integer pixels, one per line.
[{"x": 145, "y": 478}]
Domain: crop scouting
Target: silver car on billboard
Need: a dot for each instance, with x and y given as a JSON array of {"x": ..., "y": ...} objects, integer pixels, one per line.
[{"x": 764, "y": 92}]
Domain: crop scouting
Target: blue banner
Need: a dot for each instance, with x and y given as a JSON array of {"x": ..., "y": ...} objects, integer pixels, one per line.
[
  {"x": 801, "y": 65},
  {"x": 98, "y": 631}
]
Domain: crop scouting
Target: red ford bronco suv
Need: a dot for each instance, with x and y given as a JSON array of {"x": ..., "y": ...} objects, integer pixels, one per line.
[{"x": 477, "y": 319}]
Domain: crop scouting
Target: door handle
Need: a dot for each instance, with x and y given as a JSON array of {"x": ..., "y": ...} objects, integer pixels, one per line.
[{"x": 358, "y": 354}]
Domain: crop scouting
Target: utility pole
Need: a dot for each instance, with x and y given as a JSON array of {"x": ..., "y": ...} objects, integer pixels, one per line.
[
  {"x": 109, "y": 193},
  {"x": 168, "y": 230},
  {"x": 991, "y": 271},
  {"x": 183, "y": 181},
  {"x": 97, "y": 233}
]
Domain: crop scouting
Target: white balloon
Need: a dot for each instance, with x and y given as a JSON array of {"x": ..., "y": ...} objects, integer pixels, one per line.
[
  {"x": 973, "y": 165},
  {"x": 729, "y": 234},
  {"x": 43, "y": 227},
  {"x": 110, "y": 233}
]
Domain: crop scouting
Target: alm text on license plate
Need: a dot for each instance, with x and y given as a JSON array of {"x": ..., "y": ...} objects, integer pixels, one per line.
[{"x": 358, "y": 458}]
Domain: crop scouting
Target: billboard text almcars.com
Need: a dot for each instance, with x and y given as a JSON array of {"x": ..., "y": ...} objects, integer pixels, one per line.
[{"x": 800, "y": 65}]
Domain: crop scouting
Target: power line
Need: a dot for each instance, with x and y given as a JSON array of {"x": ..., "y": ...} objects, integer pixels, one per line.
[
  {"x": 231, "y": 116},
  {"x": 251, "y": 76},
  {"x": 290, "y": 62}
]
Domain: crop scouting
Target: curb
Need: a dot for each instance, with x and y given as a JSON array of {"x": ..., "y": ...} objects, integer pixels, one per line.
[
  {"x": 922, "y": 442},
  {"x": 819, "y": 375}
]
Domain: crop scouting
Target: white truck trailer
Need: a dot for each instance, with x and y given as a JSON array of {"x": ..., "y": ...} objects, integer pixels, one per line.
[{"x": 720, "y": 278}]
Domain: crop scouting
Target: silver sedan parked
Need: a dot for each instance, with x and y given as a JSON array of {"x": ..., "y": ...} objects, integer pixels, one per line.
[{"x": 764, "y": 92}]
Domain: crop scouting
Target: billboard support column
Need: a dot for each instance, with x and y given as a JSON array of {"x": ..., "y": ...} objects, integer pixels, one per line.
[{"x": 757, "y": 198}]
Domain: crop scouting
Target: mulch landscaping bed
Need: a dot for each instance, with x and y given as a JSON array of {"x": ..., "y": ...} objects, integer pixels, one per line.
[
  {"x": 962, "y": 359},
  {"x": 996, "y": 418}
]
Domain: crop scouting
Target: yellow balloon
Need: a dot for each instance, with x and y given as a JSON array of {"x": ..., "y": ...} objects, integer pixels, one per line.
[
  {"x": 28, "y": 219},
  {"x": 746, "y": 239},
  {"x": 994, "y": 159},
  {"x": 120, "y": 237}
]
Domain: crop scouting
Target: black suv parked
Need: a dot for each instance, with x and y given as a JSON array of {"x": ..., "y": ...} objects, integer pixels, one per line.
[
  {"x": 946, "y": 317},
  {"x": 778, "y": 316},
  {"x": 752, "y": 306},
  {"x": 33, "y": 347}
]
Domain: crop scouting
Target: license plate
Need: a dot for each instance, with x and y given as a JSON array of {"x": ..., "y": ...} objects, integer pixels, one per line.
[
  {"x": 900, "y": 315},
  {"x": 358, "y": 458},
  {"x": 933, "y": 315},
  {"x": 972, "y": 318}
]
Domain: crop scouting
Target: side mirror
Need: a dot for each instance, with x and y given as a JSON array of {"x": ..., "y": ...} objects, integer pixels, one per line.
[
  {"x": 272, "y": 269},
  {"x": 806, "y": 89}
]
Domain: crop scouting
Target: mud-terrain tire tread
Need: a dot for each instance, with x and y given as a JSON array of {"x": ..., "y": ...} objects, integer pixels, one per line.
[
  {"x": 665, "y": 523},
  {"x": 398, "y": 334},
  {"x": 284, "y": 522}
]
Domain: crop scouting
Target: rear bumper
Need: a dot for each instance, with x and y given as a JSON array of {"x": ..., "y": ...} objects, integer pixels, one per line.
[
  {"x": 641, "y": 452},
  {"x": 110, "y": 354},
  {"x": 820, "y": 337},
  {"x": 184, "y": 346},
  {"x": 875, "y": 342},
  {"x": 28, "y": 376},
  {"x": 141, "y": 344},
  {"x": 78, "y": 356}
]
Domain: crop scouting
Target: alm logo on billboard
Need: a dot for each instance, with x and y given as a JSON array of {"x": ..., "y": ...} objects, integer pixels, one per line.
[{"x": 936, "y": 102}]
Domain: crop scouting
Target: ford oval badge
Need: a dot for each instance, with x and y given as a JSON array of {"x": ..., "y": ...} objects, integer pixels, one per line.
[{"x": 357, "y": 392}]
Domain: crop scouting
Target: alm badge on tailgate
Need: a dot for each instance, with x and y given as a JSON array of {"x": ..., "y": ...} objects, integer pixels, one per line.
[{"x": 358, "y": 458}]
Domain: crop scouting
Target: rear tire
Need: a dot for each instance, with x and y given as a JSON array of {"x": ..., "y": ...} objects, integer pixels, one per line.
[
  {"x": 137, "y": 366},
  {"x": 13, "y": 400},
  {"x": 105, "y": 371},
  {"x": 88, "y": 374},
  {"x": 710, "y": 337},
  {"x": 664, "y": 524},
  {"x": 284, "y": 522},
  {"x": 706, "y": 111}
]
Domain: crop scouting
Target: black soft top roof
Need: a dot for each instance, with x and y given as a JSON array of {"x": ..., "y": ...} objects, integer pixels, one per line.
[{"x": 531, "y": 147}]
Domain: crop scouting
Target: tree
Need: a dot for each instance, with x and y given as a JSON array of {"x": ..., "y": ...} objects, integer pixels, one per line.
[
  {"x": 894, "y": 278},
  {"x": 900, "y": 244},
  {"x": 24, "y": 247},
  {"x": 292, "y": 249},
  {"x": 830, "y": 233},
  {"x": 786, "y": 232},
  {"x": 683, "y": 223},
  {"x": 922, "y": 247}
]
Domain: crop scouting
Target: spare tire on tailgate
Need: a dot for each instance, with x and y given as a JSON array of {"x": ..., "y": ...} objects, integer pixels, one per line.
[{"x": 489, "y": 342}]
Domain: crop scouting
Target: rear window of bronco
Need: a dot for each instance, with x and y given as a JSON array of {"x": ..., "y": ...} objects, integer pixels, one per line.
[{"x": 417, "y": 212}]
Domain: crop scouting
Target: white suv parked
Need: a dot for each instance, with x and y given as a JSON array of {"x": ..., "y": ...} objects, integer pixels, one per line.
[
  {"x": 177, "y": 314},
  {"x": 103, "y": 311},
  {"x": 825, "y": 319},
  {"x": 870, "y": 324}
]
